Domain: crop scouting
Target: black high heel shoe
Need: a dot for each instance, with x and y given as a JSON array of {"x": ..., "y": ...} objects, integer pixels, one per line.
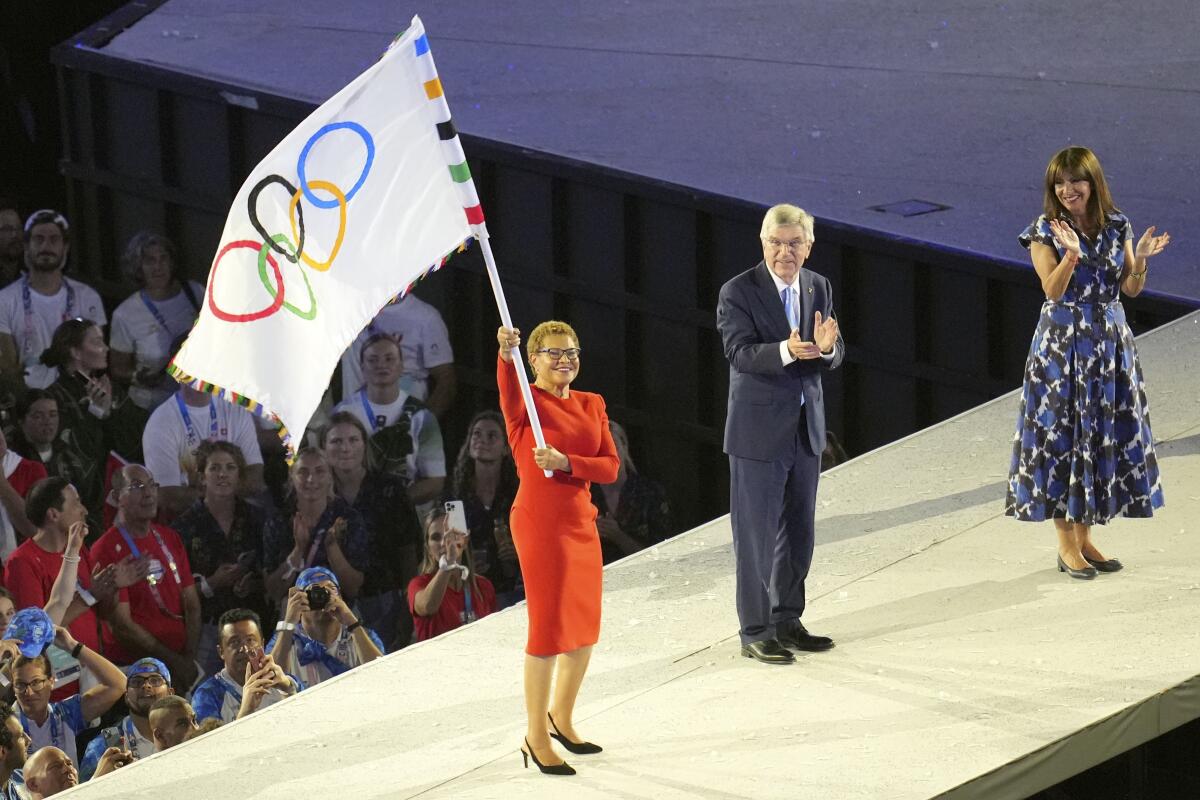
[
  {"x": 554, "y": 769},
  {"x": 1085, "y": 574},
  {"x": 1111, "y": 565},
  {"x": 578, "y": 748}
]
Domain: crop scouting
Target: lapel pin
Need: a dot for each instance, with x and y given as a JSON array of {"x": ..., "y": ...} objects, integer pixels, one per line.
[{"x": 810, "y": 290}]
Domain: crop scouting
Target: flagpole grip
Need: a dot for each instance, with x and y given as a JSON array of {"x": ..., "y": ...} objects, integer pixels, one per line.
[{"x": 506, "y": 319}]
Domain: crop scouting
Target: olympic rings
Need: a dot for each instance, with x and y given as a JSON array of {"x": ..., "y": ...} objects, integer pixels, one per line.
[
  {"x": 252, "y": 207},
  {"x": 263, "y": 255},
  {"x": 300, "y": 163},
  {"x": 277, "y": 302},
  {"x": 293, "y": 214}
]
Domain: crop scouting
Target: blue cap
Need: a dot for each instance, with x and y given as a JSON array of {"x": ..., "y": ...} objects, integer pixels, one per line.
[
  {"x": 33, "y": 629},
  {"x": 148, "y": 666},
  {"x": 315, "y": 575}
]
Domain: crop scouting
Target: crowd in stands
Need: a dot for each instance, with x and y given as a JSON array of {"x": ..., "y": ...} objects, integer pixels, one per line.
[{"x": 166, "y": 572}]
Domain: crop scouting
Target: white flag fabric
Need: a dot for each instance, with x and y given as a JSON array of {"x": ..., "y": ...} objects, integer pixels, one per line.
[{"x": 361, "y": 200}]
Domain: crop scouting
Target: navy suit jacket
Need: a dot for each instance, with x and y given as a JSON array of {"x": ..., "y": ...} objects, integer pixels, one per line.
[{"x": 764, "y": 395}]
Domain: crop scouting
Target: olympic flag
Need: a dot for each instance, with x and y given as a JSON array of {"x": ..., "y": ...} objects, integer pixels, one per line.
[{"x": 361, "y": 200}]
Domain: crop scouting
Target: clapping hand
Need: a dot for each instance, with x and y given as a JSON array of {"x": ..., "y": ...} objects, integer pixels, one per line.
[
  {"x": 75, "y": 536},
  {"x": 301, "y": 534},
  {"x": 129, "y": 570},
  {"x": 225, "y": 576},
  {"x": 1065, "y": 236},
  {"x": 1151, "y": 245},
  {"x": 825, "y": 334}
]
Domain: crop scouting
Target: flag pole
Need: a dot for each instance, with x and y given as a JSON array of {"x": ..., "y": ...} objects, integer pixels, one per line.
[{"x": 506, "y": 319}]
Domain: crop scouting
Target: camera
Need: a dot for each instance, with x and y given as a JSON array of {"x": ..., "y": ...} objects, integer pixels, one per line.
[{"x": 318, "y": 597}]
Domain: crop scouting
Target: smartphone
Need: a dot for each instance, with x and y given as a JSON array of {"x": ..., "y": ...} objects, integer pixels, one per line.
[
  {"x": 457, "y": 516},
  {"x": 256, "y": 659}
]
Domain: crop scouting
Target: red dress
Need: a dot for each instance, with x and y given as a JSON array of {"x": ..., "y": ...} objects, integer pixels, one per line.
[{"x": 553, "y": 520}]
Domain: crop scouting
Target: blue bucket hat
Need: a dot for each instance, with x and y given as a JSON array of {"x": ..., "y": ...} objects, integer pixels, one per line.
[
  {"x": 148, "y": 666},
  {"x": 315, "y": 575},
  {"x": 33, "y": 629}
]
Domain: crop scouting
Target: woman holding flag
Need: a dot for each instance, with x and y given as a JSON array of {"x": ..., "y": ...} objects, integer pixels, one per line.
[{"x": 554, "y": 528}]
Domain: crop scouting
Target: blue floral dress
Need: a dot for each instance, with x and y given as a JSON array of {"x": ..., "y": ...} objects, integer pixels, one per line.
[{"x": 1083, "y": 449}]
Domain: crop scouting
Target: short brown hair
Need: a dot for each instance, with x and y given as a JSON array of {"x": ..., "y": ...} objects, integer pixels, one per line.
[
  {"x": 207, "y": 449},
  {"x": 551, "y": 327},
  {"x": 43, "y": 661},
  {"x": 1079, "y": 163}
]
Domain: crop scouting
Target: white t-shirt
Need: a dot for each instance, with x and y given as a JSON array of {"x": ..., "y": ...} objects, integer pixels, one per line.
[
  {"x": 428, "y": 457},
  {"x": 425, "y": 345},
  {"x": 169, "y": 440},
  {"x": 32, "y": 332},
  {"x": 136, "y": 330}
]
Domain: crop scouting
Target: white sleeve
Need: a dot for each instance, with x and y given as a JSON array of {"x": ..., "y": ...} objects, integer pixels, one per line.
[
  {"x": 427, "y": 441},
  {"x": 6, "y": 312},
  {"x": 91, "y": 307},
  {"x": 120, "y": 337},
  {"x": 161, "y": 446},
  {"x": 243, "y": 432},
  {"x": 435, "y": 342},
  {"x": 785, "y": 354}
]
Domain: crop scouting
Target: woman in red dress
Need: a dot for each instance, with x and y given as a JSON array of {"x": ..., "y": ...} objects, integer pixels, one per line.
[{"x": 553, "y": 525}]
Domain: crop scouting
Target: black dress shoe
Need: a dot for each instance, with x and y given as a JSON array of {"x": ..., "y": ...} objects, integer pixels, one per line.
[
  {"x": 1112, "y": 565},
  {"x": 578, "y": 748},
  {"x": 768, "y": 651},
  {"x": 1085, "y": 574},
  {"x": 798, "y": 638}
]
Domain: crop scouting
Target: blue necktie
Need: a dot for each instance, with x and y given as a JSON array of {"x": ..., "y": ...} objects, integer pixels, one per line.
[{"x": 789, "y": 307}]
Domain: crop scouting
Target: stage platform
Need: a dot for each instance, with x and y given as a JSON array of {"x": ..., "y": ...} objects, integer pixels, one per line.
[
  {"x": 842, "y": 107},
  {"x": 966, "y": 665}
]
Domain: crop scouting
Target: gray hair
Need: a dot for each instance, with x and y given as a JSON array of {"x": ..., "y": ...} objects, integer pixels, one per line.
[
  {"x": 786, "y": 214},
  {"x": 135, "y": 250}
]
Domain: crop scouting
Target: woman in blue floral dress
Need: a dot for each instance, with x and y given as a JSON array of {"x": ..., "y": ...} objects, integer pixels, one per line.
[{"x": 1083, "y": 453}]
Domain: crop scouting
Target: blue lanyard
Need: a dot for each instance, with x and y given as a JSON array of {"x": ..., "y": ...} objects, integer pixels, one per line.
[
  {"x": 469, "y": 616},
  {"x": 193, "y": 435},
  {"x": 27, "y": 302},
  {"x": 56, "y": 737},
  {"x": 370, "y": 412},
  {"x": 158, "y": 317}
]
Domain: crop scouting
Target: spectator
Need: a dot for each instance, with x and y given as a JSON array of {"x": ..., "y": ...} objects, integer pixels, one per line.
[
  {"x": 391, "y": 522},
  {"x": 146, "y": 681},
  {"x": 632, "y": 512},
  {"x": 14, "y": 750},
  {"x": 176, "y": 428},
  {"x": 428, "y": 358},
  {"x": 48, "y": 772},
  {"x": 250, "y": 679},
  {"x": 48, "y": 722},
  {"x": 223, "y": 535},
  {"x": 172, "y": 720},
  {"x": 12, "y": 247},
  {"x": 150, "y": 320},
  {"x": 33, "y": 306},
  {"x": 85, "y": 406},
  {"x": 319, "y": 637},
  {"x": 405, "y": 437},
  {"x": 36, "y": 436},
  {"x": 447, "y": 593},
  {"x": 485, "y": 479},
  {"x": 317, "y": 529},
  {"x": 33, "y": 569},
  {"x": 17, "y": 477},
  {"x": 160, "y": 615},
  {"x": 7, "y": 609}
]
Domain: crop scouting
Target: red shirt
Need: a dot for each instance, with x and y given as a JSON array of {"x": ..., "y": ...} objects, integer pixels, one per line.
[
  {"x": 26, "y": 475},
  {"x": 30, "y": 574},
  {"x": 450, "y": 613},
  {"x": 143, "y": 605}
]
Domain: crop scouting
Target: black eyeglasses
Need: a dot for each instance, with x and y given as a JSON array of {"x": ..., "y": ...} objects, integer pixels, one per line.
[{"x": 556, "y": 353}]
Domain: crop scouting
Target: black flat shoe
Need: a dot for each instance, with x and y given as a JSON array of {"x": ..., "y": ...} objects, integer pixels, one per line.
[
  {"x": 768, "y": 651},
  {"x": 1085, "y": 574},
  {"x": 554, "y": 769},
  {"x": 1112, "y": 565},
  {"x": 578, "y": 748},
  {"x": 798, "y": 638}
]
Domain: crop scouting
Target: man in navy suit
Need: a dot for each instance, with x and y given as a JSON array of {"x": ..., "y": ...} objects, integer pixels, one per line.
[{"x": 779, "y": 334}]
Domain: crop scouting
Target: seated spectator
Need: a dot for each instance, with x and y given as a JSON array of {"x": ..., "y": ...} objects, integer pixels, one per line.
[
  {"x": 159, "y": 616},
  {"x": 7, "y": 609},
  {"x": 33, "y": 306},
  {"x": 392, "y": 526},
  {"x": 405, "y": 437},
  {"x": 89, "y": 595},
  {"x": 250, "y": 678},
  {"x": 145, "y": 325},
  {"x": 485, "y": 480},
  {"x": 319, "y": 637},
  {"x": 632, "y": 512},
  {"x": 85, "y": 405},
  {"x": 172, "y": 720},
  {"x": 178, "y": 426},
  {"x": 48, "y": 772},
  {"x": 428, "y": 360},
  {"x": 17, "y": 477},
  {"x": 223, "y": 535},
  {"x": 12, "y": 246},
  {"x": 146, "y": 681},
  {"x": 447, "y": 593},
  {"x": 36, "y": 436},
  {"x": 14, "y": 751},
  {"x": 48, "y": 722},
  {"x": 317, "y": 529}
]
